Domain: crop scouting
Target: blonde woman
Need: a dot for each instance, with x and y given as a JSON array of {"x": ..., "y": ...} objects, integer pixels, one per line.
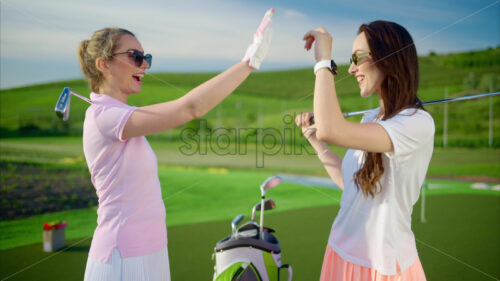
[{"x": 130, "y": 241}]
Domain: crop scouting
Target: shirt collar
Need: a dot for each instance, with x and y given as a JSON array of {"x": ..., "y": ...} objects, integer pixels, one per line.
[
  {"x": 371, "y": 115},
  {"x": 105, "y": 99}
]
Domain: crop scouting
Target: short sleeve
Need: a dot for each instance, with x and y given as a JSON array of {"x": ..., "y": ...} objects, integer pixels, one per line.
[
  {"x": 111, "y": 120},
  {"x": 408, "y": 130}
]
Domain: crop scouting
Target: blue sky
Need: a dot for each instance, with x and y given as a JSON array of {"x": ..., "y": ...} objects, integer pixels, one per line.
[{"x": 39, "y": 38}]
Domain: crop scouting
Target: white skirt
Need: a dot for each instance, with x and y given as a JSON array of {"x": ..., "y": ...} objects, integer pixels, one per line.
[{"x": 151, "y": 267}]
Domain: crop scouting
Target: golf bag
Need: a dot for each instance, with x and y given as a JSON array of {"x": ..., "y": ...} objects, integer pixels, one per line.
[{"x": 249, "y": 259}]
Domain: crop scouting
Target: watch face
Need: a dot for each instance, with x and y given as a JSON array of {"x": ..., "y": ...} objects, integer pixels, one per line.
[{"x": 333, "y": 67}]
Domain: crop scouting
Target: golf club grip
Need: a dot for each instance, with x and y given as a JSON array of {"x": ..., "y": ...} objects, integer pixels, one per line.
[{"x": 311, "y": 120}]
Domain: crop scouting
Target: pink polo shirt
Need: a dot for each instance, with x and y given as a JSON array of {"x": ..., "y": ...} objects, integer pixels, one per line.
[{"x": 131, "y": 213}]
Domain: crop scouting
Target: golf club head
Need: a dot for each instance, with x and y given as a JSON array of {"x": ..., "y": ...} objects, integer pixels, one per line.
[
  {"x": 269, "y": 183},
  {"x": 248, "y": 225},
  {"x": 247, "y": 233},
  {"x": 235, "y": 222},
  {"x": 63, "y": 104},
  {"x": 269, "y": 204}
]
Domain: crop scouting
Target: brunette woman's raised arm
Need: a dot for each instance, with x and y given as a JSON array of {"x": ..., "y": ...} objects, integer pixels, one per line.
[{"x": 331, "y": 126}]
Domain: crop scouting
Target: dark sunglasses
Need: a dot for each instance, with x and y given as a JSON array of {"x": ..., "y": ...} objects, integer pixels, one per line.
[
  {"x": 355, "y": 57},
  {"x": 138, "y": 57}
]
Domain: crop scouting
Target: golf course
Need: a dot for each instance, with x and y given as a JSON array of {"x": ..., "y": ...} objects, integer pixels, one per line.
[{"x": 211, "y": 169}]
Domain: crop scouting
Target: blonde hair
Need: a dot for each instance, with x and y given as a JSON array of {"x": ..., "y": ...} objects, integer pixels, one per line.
[{"x": 102, "y": 44}]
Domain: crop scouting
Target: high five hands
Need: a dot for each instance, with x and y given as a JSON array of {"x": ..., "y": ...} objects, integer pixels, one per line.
[
  {"x": 323, "y": 46},
  {"x": 322, "y": 41},
  {"x": 257, "y": 51}
]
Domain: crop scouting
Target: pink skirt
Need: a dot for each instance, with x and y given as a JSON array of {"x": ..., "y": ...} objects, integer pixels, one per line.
[{"x": 335, "y": 268}]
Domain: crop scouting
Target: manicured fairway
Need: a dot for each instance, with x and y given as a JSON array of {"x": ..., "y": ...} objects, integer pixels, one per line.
[
  {"x": 450, "y": 162},
  {"x": 195, "y": 195},
  {"x": 190, "y": 196},
  {"x": 460, "y": 240}
]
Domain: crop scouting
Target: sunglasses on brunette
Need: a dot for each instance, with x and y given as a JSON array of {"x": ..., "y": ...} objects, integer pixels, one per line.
[
  {"x": 355, "y": 57},
  {"x": 138, "y": 57}
]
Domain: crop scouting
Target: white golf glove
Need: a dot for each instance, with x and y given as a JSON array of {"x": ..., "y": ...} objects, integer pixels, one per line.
[{"x": 261, "y": 40}]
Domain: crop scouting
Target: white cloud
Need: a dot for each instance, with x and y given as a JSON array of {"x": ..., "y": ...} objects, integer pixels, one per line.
[
  {"x": 207, "y": 31},
  {"x": 293, "y": 14},
  {"x": 211, "y": 32},
  {"x": 53, "y": 29}
]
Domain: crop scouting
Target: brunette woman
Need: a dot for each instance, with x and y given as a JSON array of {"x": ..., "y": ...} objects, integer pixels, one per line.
[{"x": 388, "y": 156}]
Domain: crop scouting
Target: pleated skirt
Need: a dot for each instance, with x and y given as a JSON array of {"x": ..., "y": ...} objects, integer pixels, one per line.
[
  {"x": 335, "y": 268},
  {"x": 151, "y": 267}
]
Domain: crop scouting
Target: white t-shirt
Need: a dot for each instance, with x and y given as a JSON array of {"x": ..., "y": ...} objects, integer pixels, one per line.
[{"x": 376, "y": 232}]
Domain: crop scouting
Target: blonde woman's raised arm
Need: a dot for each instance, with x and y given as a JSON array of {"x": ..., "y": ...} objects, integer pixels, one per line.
[{"x": 159, "y": 117}]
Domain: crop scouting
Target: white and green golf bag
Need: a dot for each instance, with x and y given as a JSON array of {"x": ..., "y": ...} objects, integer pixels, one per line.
[{"x": 249, "y": 259}]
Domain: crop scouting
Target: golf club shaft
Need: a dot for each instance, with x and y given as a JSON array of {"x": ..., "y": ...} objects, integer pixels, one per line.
[
  {"x": 63, "y": 103},
  {"x": 267, "y": 184},
  {"x": 470, "y": 97},
  {"x": 82, "y": 97},
  {"x": 262, "y": 217}
]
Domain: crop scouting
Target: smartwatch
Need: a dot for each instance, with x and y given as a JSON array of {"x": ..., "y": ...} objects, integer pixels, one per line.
[{"x": 330, "y": 64}]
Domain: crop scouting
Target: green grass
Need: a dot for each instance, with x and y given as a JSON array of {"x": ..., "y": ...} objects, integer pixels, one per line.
[
  {"x": 190, "y": 195},
  {"x": 210, "y": 194},
  {"x": 461, "y": 162},
  {"x": 461, "y": 226},
  {"x": 450, "y": 162}
]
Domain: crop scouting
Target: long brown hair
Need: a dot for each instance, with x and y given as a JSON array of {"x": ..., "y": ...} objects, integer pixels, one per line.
[{"x": 394, "y": 53}]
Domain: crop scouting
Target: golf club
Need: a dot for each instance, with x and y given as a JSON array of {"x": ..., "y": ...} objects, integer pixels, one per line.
[
  {"x": 251, "y": 243},
  {"x": 246, "y": 233},
  {"x": 266, "y": 185},
  {"x": 470, "y": 97},
  {"x": 268, "y": 205},
  {"x": 248, "y": 225},
  {"x": 235, "y": 223},
  {"x": 63, "y": 103}
]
